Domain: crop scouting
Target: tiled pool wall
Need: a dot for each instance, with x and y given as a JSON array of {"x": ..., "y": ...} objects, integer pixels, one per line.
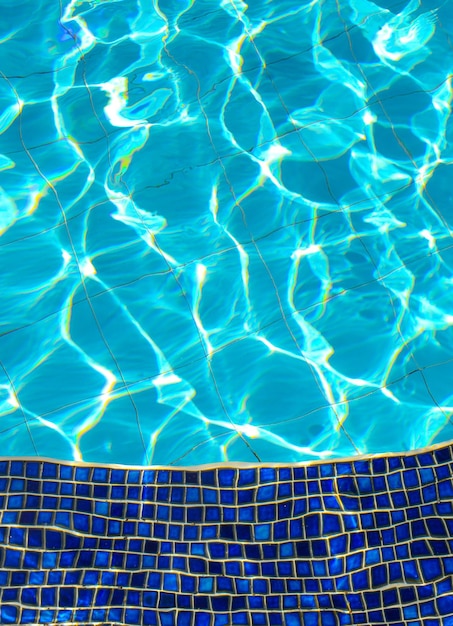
[{"x": 358, "y": 541}]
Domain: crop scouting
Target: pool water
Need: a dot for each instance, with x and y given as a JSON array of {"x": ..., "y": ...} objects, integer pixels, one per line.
[{"x": 226, "y": 229}]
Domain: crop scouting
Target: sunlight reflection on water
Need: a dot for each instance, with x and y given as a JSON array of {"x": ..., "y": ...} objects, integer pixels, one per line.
[{"x": 225, "y": 230}]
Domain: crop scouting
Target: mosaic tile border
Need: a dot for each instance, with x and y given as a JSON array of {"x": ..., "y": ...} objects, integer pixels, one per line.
[{"x": 367, "y": 540}]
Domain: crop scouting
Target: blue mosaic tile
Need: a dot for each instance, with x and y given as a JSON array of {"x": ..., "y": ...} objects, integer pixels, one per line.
[{"x": 363, "y": 542}]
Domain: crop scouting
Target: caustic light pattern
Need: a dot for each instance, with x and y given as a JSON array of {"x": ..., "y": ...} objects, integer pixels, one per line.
[{"x": 225, "y": 229}]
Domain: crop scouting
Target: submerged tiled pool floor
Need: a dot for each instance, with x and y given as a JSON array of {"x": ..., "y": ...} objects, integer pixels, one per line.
[{"x": 359, "y": 541}]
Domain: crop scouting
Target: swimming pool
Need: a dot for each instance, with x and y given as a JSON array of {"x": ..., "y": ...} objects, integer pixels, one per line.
[
  {"x": 225, "y": 230},
  {"x": 225, "y": 236}
]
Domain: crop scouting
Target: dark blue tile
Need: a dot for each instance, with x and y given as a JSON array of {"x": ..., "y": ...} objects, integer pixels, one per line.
[
  {"x": 344, "y": 468},
  {"x": 299, "y": 507},
  {"x": 431, "y": 568},
  {"x": 331, "y": 524},
  {"x": 315, "y": 504},
  {"x": 118, "y": 476},
  {"x": 162, "y": 477},
  {"x": 300, "y": 488},
  {"x": 266, "y": 493},
  {"x": 227, "y": 498},
  {"x": 266, "y": 513},
  {"x": 360, "y": 581},
  {"x": 327, "y": 469},
  {"x": 268, "y": 474},
  {"x": 226, "y": 477},
  {"x": 208, "y": 478},
  {"x": 48, "y": 470},
  {"x": 149, "y": 477},
  {"x": 338, "y": 544},
  {"x": 444, "y": 586},
  {"x": 100, "y": 475}
]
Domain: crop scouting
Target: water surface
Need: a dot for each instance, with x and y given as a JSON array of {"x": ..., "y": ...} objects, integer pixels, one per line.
[{"x": 225, "y": 229}]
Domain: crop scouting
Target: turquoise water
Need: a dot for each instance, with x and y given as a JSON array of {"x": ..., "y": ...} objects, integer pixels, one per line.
[{"x": 226, "y": 229}]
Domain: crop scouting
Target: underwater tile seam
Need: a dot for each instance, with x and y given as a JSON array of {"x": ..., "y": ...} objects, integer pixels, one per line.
[{"x": 364, "y": 540}]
